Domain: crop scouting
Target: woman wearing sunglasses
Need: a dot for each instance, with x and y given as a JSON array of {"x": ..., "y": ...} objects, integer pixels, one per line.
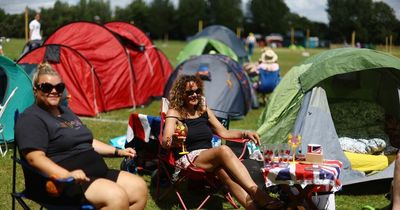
[
  {"x": 187, "y": 106},
  {"x": 54, "y": 140}
]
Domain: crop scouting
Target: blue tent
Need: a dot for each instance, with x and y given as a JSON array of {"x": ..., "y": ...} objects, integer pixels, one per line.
[
  {"x": 226, "y": 36},
  {"x": 227, "y": 86}
]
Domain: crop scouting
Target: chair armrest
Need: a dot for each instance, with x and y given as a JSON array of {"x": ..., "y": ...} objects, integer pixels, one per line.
[{"x": 240, "y": 141}]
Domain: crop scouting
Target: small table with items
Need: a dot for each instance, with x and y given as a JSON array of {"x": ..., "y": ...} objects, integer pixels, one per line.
[{"x": 306, "y": 177}]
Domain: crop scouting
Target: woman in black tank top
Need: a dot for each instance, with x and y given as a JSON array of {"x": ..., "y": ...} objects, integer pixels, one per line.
[{"x": 188, "y": 106}]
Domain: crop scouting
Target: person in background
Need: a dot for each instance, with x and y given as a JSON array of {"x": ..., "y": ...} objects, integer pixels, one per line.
[
  {"x": 251, "y": 42},
  {"x": 187, "y": 106},
  {"x": 53, "y": 140},
  {"x": 396, "y": 184},
  {"x": 35, "y": 34},
  {"x": 268, "y": 71}
]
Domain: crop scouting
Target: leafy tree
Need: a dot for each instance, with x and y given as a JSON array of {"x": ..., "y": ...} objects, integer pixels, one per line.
[
  {"x": 383, "y": 23},
  {"x": 226, "y": 12},
  {"x": 55, "y": 17},
  {"x": 371, "y": 21},
  {"x": 303, "y": 24},
  {"x": 188, "y": 14},
  {"x": 87, "y": 10},
  {"x": 269, "y": 16},
  {"x": 136, "y": 12},
  {"x": 161, "y": 20}
]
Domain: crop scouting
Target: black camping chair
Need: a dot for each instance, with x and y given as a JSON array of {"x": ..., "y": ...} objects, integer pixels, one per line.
[
  {"x": 23, "y": 195},
  {"x": 253, "y": 166}
]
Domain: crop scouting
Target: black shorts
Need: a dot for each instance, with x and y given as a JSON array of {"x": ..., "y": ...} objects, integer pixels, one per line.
[{"x": 90, "y": 162}]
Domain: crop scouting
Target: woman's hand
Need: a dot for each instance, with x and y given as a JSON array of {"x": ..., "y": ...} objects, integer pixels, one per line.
[
  {"x": 128, "y": 152},
  {"x": 253, "y": 136},
  {"x": 79, "y": 176}
]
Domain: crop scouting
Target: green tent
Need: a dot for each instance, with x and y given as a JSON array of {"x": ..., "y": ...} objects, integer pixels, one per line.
[
  {"x": 202, "y": 46},
  {"x": 345, "y": 74},
  {"x": 15, "y": 94},
  {"x": 313, "y": 98}
]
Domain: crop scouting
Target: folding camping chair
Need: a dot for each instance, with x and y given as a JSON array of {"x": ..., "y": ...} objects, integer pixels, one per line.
[
  {"x": 142, "y": 134},
  {"x": 166, "y": 161},
  {"x": 267, "y": 81},
  {"x": 23, "y": 195}
]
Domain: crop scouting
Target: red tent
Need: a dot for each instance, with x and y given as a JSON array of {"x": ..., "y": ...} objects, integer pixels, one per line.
[
  {"x": 82, "y": 83},
  {"x": 124, "y": 82},
  {"x": 151, "y": 67}
]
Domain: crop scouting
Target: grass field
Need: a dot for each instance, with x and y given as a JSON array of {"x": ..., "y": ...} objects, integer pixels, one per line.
[{"x": 106, "y": 130}]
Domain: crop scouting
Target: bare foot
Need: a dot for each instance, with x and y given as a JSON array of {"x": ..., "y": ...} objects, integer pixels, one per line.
[{"x": 263, "y": 200}]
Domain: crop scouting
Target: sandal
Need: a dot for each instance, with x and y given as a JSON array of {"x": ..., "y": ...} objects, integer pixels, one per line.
[{"x": 269, "y": 202}]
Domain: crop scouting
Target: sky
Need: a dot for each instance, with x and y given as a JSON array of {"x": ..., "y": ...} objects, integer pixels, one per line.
[{"x": 312, "y": 9}]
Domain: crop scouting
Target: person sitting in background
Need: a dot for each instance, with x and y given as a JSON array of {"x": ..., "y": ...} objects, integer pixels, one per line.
[
  {"x": 53, "y": 140},
  {"x": 268, "y": 71},
  {"x": 187, "y": 106}
]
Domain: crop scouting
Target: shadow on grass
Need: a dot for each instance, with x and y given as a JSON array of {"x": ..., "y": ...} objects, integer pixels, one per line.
[
  {"x": 192, "y": 196},
  {"x": 367, "y": 188}
]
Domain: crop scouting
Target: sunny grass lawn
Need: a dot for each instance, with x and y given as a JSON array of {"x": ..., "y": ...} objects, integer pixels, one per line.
[{"x": 106, "y": 130}]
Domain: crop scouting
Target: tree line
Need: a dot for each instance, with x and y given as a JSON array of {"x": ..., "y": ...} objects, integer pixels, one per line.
[{"x": 372, "y": 21}]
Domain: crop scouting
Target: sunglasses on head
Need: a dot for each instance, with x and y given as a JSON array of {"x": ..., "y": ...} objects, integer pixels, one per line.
[
  {"x": 47, "y": 87},
  {"x": 192, "y": 92}
]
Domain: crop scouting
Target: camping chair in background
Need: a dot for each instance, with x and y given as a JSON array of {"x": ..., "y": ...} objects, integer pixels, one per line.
[
  {"x": 178, "y": 176},
  {"x": 267, "y": 81},
  {"x": 142, "y": 134},
  {"x": 21, "y": 196}
]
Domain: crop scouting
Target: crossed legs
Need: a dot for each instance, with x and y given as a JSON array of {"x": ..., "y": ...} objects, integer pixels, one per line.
[
  {"x": 222, "y": 161},
  {"x": 130, "y": 192}
]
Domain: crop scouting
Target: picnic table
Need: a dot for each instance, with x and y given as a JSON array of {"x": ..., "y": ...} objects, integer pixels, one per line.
[{"x": 300, "y": 180}]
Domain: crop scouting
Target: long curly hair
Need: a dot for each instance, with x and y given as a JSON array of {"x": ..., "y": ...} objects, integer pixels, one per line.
[{"x": 177, "y": 95}]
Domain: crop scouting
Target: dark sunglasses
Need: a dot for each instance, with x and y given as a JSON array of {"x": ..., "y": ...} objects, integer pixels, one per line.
[
  {"x": 191, "y": 92},
  {"x": 47, "y": 87}
]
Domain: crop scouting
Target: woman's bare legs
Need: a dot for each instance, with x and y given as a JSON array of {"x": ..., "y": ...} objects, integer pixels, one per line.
[
  {"x": 223, "y": 157},
  {"x": 136, "y": 189},
  {"x": 237, "y": 191},
  {"x": 105, "y": 194},
  {"x": 130, "y": 192}
]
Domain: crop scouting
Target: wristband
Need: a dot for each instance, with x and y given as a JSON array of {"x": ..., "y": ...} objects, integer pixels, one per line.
[{"x": 116, "y": 152}]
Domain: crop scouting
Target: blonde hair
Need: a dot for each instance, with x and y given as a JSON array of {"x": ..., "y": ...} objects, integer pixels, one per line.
[
  {"x": 43, "y": 69},
  {"x": 177, "y": 95}
]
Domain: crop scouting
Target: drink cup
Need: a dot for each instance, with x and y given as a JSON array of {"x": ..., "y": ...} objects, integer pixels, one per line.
[{"x": 314, "y": 148}]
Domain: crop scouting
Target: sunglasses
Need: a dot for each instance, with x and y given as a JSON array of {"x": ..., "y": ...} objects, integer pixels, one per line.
[
  {"x": 192, "y": 92},
  {"x": 47, "y": 87}
]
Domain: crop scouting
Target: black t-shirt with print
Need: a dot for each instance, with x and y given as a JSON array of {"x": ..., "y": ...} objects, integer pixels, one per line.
[{"x": 59, "y": 137}]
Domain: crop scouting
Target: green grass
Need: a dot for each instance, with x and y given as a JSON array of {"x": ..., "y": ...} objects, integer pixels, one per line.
[{"x": 106, "y": 130}]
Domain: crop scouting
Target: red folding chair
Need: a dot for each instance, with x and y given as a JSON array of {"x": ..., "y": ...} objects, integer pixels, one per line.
[{"x": 167, "y": 161}]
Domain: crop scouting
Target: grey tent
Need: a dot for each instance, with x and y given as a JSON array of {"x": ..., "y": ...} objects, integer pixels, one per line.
[
  {"x": 227, "y": 86},
  {"x": 226, "y": 36},
  {"x": 300, "y": 103}
]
